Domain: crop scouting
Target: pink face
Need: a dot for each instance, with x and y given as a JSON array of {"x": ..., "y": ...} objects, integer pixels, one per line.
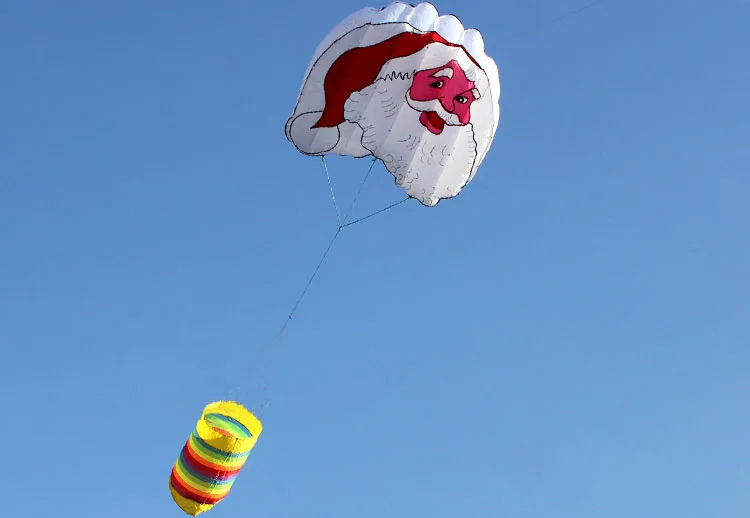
[{"x": 449, "y": 86}]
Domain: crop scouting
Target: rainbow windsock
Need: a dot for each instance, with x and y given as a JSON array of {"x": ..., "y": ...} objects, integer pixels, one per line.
[{"x": 213, "y": 456}]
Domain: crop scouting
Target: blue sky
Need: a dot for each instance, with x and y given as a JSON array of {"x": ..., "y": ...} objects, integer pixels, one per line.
[{"x": 567, "y": 338}]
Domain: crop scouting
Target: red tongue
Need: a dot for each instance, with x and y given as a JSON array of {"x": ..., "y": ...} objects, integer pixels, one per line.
[{"x": 435, "y": 120}]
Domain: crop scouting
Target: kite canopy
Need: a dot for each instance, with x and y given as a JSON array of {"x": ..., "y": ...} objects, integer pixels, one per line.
[
  {"x": 213, "y": 456},
  {"x": 414, "y": 89}
]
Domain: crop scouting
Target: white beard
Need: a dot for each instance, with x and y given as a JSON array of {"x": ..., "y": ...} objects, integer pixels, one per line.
[{"x": 428, "y": 167}]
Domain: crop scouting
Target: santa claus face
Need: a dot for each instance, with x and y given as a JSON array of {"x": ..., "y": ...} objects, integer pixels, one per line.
[
  {"x": 408, "y": 98},
  {"x": 443, "y": 95},
  {"x": 393, "y": 132}
]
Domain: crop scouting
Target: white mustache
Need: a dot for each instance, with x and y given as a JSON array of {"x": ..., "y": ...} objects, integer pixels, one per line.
[{"x": 450, "y": 119}]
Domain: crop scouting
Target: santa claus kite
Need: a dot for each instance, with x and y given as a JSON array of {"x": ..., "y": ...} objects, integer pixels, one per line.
[{"x": 407, "y": 86}]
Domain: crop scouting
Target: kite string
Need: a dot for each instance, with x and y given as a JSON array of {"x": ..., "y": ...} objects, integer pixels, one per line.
[
  {"x": 330, "y": 185},
  {"x": 561, "y": 17},
  {"x": 359, "y": 190},
  {"x": 341, "y": 225},
  {"x": 266, "y": 387},
  {"x": 389, "y": 207},
  {"x": 314, "y": 274}
]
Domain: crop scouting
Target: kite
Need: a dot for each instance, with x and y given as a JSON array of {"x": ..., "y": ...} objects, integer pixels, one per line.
[
  {"x": 405, "y": 86},
  {"x": 213, "y": 456},
  {"x": 408, "y": 87}
]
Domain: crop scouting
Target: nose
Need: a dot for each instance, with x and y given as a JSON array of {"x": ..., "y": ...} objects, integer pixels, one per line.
[{"x": 450, "y": 105}]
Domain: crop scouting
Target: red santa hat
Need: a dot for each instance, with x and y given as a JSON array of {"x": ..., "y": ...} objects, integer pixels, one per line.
[{"x": 359, "y": 67}]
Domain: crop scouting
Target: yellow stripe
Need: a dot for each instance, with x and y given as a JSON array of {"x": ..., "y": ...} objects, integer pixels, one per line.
[
  {"x": 191, "y": 507},
  {"x": 222, "y": 442}
]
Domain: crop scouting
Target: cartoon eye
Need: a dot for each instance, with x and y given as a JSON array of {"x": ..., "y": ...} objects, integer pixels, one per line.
[
  {"x": 437, "y": 84},
  {"x": 462, "y": 99}
]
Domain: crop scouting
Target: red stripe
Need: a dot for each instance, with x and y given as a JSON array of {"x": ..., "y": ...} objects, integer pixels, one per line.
[
  {"x": 205, "y": 465},
  {"x": 192, "y": 494},
  {"x": 205, "y": 471}
]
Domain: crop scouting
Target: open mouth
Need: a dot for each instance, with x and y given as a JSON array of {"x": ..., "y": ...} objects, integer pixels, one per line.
[{"x": 432, "y": 121}]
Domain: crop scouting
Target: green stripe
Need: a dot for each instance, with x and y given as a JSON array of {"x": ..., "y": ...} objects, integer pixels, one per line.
[
  {"x": 228, "y": 424},
  {"x": 210, "y": 453}
]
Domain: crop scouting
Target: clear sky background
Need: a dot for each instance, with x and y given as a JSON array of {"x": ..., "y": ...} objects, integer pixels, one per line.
[{"x": 570, "y": 337}]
